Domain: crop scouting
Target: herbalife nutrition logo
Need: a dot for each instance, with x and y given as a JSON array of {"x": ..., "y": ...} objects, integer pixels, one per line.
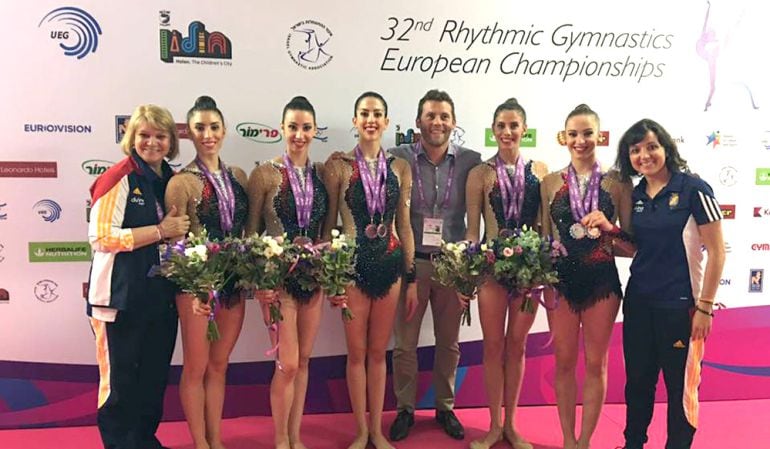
[
  {"x": 528, "y": 139},
  {"x": 59, "y": 252}
]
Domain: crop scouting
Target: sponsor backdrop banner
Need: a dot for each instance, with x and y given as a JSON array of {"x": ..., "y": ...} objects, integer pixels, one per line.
[{"x": 77, "y": 70}]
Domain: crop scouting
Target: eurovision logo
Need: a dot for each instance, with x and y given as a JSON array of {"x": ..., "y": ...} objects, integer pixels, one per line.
[
  {"x": 76, "y": 30},
  {"x": 59, "y": 252},
  {"x": 307, "y": 44},
  {"x": 28, "y": 169},
  {"x": 57, "y": 128},
  {"x": 756, "y": 280},
  {"x": 258, "y": 132},
  {"x": 48, "y": 209},
  {"x": 199, "y": 47},
  {"x": 45, "y": 290},
  {"x": 728, "y": 211}
]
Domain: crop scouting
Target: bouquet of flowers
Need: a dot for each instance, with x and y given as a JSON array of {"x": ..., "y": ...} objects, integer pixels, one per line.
[
  {"x": 525, "y": 264},
  {"x": 262, "y": 263},
  {"x": 338, "y": 268},
  {"x": 463, "y": 266},
  {"x": 199, "y": 267}
]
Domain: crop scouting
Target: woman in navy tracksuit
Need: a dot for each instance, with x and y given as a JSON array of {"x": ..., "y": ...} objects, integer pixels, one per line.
[{"x": 668, "y": 308}]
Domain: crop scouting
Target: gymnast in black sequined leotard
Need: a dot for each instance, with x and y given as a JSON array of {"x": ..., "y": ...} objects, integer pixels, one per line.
[
  {"x": 588, "y": 273},
  {"x": 379, "y": 261},
  {"x": 276, "y": 210}
]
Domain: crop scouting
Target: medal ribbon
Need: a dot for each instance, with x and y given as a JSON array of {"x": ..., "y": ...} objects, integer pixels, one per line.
[
  {"x": 512, "y": 193},
  {"x": 225, "y": 196},
  {"x": 303, "y": 198},
  {"x": 374, "y": 186},
  {"x": 582, "y": 206}
]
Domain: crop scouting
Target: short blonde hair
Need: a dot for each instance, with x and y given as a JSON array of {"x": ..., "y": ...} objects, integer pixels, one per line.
[{"x": 155, "y": 116}]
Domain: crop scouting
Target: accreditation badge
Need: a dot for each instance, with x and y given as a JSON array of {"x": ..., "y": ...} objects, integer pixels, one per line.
[{"x": 432, "y": 229}]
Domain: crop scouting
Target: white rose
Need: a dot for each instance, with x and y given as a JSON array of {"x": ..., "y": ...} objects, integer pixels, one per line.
[
  {"x": 335, "y": 233},
  {"x": 462, "y": 247},
  {"x": 198, "y": 250},
  {"x": 484, "y": 247},
  {"x": 269, "y": 252},
  {"x": 450, "y": 246}
]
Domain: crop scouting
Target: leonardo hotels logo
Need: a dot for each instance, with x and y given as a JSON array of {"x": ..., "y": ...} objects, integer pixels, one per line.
[
  {"x": 28, "y": 169},
  {"x": 59, "y": 252},
  {"x": 76, "y": 30},
  {"x": 199, "y": 47},
  {"x": 763, "y": 176},
  {"x": 48, "y": 209},
  {"x": 307, "y": 44}
]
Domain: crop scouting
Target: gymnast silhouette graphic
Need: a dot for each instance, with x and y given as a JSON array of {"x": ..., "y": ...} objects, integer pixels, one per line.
[{"x": 708, "y": 48}]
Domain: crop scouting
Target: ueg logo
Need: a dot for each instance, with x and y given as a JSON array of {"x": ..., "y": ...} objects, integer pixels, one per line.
[
  {"x": 45, "y": 290},
  {"x": 728, "y": 211},
  {"x": 258, "y": 132},
  {"x": 48, "y": 209},
  {"x": 96, "y": 167},
  {"x": 121, "y": 122},
  {"x": 760, "y": 246},
  {"x": 76, "y": 30},
  {"x": 200, "y": 47},
  {"x": 760, "y": 212},
  {"x": 59, "y": 252},
  {"x": 307, "y": 44},
  {"x": 528, "y": 139}
]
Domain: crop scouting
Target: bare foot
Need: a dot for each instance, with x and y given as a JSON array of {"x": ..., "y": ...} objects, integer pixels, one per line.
[
  {"x": 582, "y": 445},
  {"x": 297, "y": 444},
  {"x": 380, "y": 442},
  {"x": 516, "y": 440},
  {"x": 281, "y": 445},
  {"x": 490, "y": 439},
  {"x": 361, "y": 441}
]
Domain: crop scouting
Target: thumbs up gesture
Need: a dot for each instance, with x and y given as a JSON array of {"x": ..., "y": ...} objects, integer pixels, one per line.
[{"x": 174, "y": 224}]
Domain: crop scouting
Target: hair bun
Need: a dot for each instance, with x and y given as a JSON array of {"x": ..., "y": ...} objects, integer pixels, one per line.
[
  {"x": 512, "y": 100},
  {"x": 204, "y": 102},
  {"x": 299, "y": 98},
  {"x": 583, "y": 108}
]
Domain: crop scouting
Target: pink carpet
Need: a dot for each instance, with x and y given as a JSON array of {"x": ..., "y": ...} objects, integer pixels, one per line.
[{"x": 724, "y": 425}]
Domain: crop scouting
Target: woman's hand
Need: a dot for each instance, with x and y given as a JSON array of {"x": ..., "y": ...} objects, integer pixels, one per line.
[
  {"x": 200, "y": 308},
  {"x": 597, "y": 219},
  {"x": 465, "y": 301},
  {"x": 266, "y": 296},
  {"x": 701, "y": 325},
  {"x": 174, "y": 224},
  {"x": 337, "y": 300}
]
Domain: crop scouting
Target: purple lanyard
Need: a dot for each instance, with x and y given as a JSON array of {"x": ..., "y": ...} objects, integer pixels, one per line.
[
  {"x": 420, "y": 189},
  {"x": 591, "y": 200},
  {"x": 374, "y": 187},
  {"x": 159, "y": 211},
  {"x": 225, "y": 197},
  {"x": 303, "y": 198},
  {"x": 513, "y": 194}
]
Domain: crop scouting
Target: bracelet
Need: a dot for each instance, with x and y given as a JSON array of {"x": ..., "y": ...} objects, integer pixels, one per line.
[
  {"x": 160, "y": 233},
  {"x": 705, "y": 312},
  {"x": 704, "y": 301},
  {"x": 411, "y": 276}
]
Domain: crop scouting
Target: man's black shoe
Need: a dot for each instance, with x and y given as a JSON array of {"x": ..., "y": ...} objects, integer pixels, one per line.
[
  {"x": 400, "y": 427},
  {"x": 450, "y": 424}
]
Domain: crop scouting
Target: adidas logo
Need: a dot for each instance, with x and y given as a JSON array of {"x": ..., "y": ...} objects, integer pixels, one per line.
[
  {"x": 679, "y": 344},
  {"x": 136, "y": 191}
]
